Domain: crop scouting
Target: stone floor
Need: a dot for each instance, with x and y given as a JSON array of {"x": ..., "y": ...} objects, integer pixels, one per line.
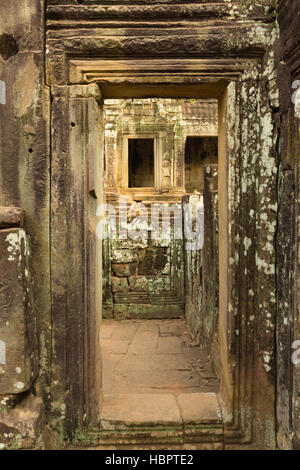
[
  {"x": 153, "y": 356},
  {"x": 157, "y": 387}
]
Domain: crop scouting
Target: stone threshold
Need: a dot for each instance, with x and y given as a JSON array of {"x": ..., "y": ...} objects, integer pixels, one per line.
[{"x": 161, "y": 419}]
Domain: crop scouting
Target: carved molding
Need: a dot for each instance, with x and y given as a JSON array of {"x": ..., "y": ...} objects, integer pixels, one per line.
[
  {"x": 85, "y": 71},
  {"x": 238, "y": 46},
  {"x": 212, "y": 42},
  {"x": 51, "y": 3},
  {"x": 157, "y": 11}
]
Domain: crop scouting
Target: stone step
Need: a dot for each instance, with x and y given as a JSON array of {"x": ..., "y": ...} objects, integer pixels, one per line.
[{"x": 155, "y": 419}]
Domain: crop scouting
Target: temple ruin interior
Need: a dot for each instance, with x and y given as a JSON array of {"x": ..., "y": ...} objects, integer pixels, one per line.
[{"x": 149, "y": 224}]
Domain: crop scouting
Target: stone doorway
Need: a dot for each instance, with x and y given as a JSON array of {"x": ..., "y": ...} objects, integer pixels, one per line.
[
  {"x": 90, "y": 52},
  {"x": 158, "y": 270},
  {"x": 152, "y": 228},
  {"x": 82, "y": 103}
]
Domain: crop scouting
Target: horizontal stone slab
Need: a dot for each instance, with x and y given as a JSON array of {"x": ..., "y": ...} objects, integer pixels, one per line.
[
  {"x": 199, "y": 408},
  {"x": 156, "y": 418},
  {"x": 138, "y": 283},
  {"x": 146, "y": 410},
  {"x": 142, "y": 311},
  {"x": 163, "y": 12}
]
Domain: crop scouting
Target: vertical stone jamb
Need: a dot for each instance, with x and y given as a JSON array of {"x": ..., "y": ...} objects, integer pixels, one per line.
[{"x": 77, "y": 155}]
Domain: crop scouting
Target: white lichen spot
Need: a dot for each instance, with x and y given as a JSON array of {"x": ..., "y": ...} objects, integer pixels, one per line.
[
  {"x": 19, "y": 385},
  {"x": 14, "y": 245},
  {"x": 269, "y": 247},
  {"x": 273, "y": 207},
  {"x": 267, "y": 357},
  {"x": 264, "y": 216},
  {"x": 247, "y": 243},
  {"x": 18, "y": 370},
  {"x": 2, "y": 352},
  {"x": 262, "y": 265}
]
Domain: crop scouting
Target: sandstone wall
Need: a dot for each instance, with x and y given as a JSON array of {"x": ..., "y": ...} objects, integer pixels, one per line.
[
  {"x": 235, "y": 41},
  {"x": 25, "y": 180}
]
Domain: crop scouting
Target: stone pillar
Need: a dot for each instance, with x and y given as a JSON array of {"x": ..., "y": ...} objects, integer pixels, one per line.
[
  {"x": 18, "y": 348},
  {"x": 210, "y": 270},
  {"x": 18, "y": 340},
  {"x": 247, "y": 227},
  {"x": 76, "y": 252}
]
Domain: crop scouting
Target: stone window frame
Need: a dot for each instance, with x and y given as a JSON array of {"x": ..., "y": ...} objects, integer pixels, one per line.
[{"x": 124, "y": 177}]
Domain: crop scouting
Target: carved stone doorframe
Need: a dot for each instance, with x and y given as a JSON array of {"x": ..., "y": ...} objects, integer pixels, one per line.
[
  {"x": 141, "y": 49},
  {"x": 247, "y": 214}
]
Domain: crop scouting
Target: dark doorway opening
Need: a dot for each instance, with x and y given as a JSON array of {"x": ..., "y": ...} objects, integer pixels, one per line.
[{"x": 199, "y": 151}]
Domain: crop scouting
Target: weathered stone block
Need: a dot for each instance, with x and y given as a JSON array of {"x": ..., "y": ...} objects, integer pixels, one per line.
[
  {"x": 166, "y": 311},
  {"x": 199, "y": 408},
  {"x": 124, "y": 256},
  {"x": 120, "y": 312},
  {"x": 145, "y": 311},
  {"x": 107, "y": 311},
  {"x": 21, "y": 428},
  {"x": 120, "y": 284},
  {"x": 138, "y": 283},
  {"x": 17, "y": 340},
  {"x": 124, "y": 269},
  {"x": 138, "y": 311},
  {"x": 152, "y": 261},
  {"x": 159, "y": 284}
]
